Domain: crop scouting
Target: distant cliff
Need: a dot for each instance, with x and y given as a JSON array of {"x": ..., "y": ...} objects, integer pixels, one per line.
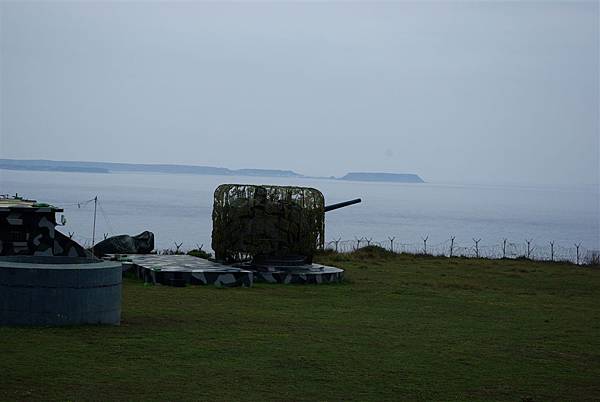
[
  {"x": 385, "y": 177},
  {"x": 10, "y": 165},
  {"x": 108, "y": 167},
  {"x": 266, "y": 173}
]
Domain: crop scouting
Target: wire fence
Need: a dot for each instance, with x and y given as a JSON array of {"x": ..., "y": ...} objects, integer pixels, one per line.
[{"x": 529, "y": 249}]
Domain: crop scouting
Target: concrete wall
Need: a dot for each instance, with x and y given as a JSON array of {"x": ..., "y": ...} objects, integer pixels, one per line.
[{"x": 36, "y": 290}]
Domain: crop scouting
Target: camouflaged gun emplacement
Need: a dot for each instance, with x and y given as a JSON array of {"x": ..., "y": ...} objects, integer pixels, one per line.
[
  {"x": 269, "y": 223},
  {"x": 28, "y": 227}
]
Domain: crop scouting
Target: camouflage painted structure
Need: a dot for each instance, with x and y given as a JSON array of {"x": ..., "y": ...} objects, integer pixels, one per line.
[
  {"x": 302, "y": 274},
  {"x": 251, "y": 222},
  {"x": 27, "y": 227},
  {"x": 180, "y": 270}
]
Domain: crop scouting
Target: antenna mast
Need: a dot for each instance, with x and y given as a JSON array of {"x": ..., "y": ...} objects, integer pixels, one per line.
[{"x": 94, "y": 227}]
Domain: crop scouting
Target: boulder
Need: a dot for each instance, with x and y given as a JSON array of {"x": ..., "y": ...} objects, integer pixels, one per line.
[{"x": 125, "y": 244}]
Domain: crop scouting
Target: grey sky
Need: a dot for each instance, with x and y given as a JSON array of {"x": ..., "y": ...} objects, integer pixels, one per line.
[{"x": 480, "y": 92}]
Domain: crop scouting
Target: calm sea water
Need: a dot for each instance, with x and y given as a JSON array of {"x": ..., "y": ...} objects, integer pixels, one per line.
[{"x": 177, "y": 208}]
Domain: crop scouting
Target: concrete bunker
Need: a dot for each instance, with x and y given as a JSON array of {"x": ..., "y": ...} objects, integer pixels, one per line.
[{"x": 46, "y": 278}]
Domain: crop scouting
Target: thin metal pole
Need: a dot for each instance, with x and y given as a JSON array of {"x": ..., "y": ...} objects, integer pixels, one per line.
[{"x": 94, "y": 227}]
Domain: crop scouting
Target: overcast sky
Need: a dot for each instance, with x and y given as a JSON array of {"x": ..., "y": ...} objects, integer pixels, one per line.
[{"x": 459, "y": 92}]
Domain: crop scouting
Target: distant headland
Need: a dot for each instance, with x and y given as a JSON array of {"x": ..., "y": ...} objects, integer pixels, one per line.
[
  {"x": 387, "y": 177},
  {"x": 109, "y": 167}
]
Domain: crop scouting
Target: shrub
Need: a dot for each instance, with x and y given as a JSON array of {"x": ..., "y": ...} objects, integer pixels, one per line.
[
  {"x": 200, "y": 254},
  {"x": 372, "y": 252},
  {"x": 592, "y": 258}
]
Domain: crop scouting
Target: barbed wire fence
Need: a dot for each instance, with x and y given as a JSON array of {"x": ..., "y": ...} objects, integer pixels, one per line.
[
  {"x": 529, "y": 249},
  {"x": 505, "y": 248}
]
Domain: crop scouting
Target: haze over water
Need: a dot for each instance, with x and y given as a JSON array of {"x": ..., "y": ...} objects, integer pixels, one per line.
[
  {"x": 479, "y": 92},
  {"x": 177, "y": 208},
  {"x": 503, "y": 93}
]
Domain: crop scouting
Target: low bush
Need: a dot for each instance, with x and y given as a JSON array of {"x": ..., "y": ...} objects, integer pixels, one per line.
[{"x": 200, "y": 254}]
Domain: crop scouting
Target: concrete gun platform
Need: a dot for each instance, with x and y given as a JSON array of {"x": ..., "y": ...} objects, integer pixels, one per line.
[
  {"x": 179, "y": 270},
  {"x": 301, "y": 274}
]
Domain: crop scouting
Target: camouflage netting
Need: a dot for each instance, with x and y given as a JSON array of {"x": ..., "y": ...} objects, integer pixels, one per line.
[{"x": 253, "y": 221}]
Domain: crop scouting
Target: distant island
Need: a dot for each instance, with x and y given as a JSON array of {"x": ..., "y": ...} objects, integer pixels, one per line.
[
  {"x": 387, "y": 177},
  {"x": 108, "y": 167}
]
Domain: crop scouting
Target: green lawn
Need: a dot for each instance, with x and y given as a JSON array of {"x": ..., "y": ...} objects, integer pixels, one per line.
[{"x": 399, "y": 328}]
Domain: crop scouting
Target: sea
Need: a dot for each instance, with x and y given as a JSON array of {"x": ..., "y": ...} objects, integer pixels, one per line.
[{"x": 486, "y": 220}]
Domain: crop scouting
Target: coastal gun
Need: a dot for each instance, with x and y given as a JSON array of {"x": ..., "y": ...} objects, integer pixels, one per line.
[
  {"x": 341, "y": 205},
  {"x": 252, "y": 222}
]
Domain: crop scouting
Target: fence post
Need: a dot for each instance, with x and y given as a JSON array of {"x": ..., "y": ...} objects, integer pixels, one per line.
[
  {"x": 476, "y": 247},
  {"x": 529, "y": 249},
  {"x": 425, "y": 244},
  {"x": 452, "y": 245},
  {"x": 391, "y": 239},
  {"x": 504, "y": 248},
  {"x": 551, "y": 251},
  {"x": 357, "y": 242}
]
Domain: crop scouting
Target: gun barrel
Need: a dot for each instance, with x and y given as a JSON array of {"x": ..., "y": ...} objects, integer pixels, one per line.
[{"x": 341, "y": 204}]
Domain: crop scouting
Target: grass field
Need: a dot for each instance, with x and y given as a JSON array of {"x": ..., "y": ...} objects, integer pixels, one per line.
[{"x": 399, "y": 328}]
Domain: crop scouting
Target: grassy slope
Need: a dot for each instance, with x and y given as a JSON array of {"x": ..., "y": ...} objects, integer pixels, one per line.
[{"x": 400, "y": 328}]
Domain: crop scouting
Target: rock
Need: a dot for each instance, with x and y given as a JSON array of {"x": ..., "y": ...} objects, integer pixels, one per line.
[{"x": 125, "y": 244}]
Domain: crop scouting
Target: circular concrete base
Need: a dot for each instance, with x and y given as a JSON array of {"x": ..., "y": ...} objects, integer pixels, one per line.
[{"x": 37, "y": 290}]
